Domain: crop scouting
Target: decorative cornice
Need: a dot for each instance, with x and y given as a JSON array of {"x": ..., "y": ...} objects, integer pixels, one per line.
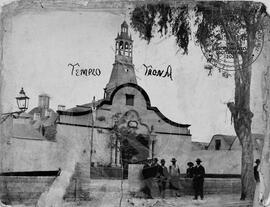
[
  {"x": 171, "y": 133},
  {"x": 82, "y": 125},
  {"x": 74, "y": 113},
  {"x": 109, "y": 102}
]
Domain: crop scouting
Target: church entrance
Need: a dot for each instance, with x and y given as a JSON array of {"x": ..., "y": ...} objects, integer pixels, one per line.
[
  {"x": 132, "y": 140},
  {"x": 134, "y": 149}
]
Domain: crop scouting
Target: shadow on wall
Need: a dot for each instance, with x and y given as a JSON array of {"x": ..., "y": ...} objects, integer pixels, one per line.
[{"x": 70, "y": 151}]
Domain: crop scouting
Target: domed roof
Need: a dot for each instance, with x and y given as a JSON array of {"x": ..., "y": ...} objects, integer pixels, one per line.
[{"x": 124, "y": 32}]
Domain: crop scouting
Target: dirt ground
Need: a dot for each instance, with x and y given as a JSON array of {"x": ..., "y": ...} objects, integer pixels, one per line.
[
  {"x": 113, "y": 193},
  {"x": 113, "y": 200}
]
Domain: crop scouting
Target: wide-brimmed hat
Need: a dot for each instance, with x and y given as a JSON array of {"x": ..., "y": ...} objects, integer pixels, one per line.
[
  {"x": 190, "y": 164},
  {"x": 258, "y": 161},
  {"x": 173, "y": 160},
  {"x": 198, "y": 160}
]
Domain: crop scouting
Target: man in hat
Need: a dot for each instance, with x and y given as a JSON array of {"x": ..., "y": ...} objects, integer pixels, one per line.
[
  {"x": 256, "y": 172},
  {"x": 174, "y": 172},
  {"x": 198, "y": 179},
  {"x": 147, "y": 174},
  {"x": 155, "y": 167},
  {"x": 189, "y": 173},
  {"x": 163, "y": 177}
]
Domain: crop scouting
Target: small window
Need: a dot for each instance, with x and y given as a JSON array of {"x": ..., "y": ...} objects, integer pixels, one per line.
[
  {"x": 217, "y": 144},
  {"x": 129, "y": 99}
]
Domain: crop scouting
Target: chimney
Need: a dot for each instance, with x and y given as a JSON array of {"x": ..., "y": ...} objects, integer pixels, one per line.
[
  {"x": 43, "y": 101},
  {"x": 61, "y": 108}
]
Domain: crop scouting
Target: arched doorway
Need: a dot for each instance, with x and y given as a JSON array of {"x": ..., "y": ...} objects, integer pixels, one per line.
[
  {"x": 134, "y": 148},
  {"x": 132, "y": 137}
]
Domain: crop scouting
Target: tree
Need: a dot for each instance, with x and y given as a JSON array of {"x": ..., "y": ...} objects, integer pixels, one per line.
[{"x": 229, "y": 34}]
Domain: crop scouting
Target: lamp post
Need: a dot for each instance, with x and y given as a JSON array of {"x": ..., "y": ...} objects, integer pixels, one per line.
[
  {"x": 22, "y": 101},
  {"x": 93, "y": 108}
]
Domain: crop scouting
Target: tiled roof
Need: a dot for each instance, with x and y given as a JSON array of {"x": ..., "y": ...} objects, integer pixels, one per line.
[
  {"x": 84, "y": 107},
  {"x": 228, "y": 139},
  {"x": 30, "y": 129},
  {"x": 45, "y": 121}
]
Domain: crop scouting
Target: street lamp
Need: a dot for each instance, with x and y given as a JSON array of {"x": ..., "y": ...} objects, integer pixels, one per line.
[{"x": 22, "y": 101}]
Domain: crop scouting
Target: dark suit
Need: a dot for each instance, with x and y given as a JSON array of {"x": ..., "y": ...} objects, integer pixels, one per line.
[
  {"x": 147, "y": 177},
  {"x": 148, "y": 173},
  {"x": 189, "y": 173},
  {"x": 198, "y": 179},
  {"x": 162, "y": 180},
  {"x": 256, "y": 174}
]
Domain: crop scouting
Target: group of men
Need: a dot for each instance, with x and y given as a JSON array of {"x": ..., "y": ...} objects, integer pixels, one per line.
[{"x": 155, "y": 172}]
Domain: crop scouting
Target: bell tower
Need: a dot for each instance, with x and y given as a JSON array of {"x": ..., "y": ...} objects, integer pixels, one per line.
[
  {"x": 123, "y": 68},
  {"x": 123, "y": 45}
]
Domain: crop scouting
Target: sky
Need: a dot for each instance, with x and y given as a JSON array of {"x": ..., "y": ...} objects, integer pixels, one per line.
[{"x": 39, "y": 46}]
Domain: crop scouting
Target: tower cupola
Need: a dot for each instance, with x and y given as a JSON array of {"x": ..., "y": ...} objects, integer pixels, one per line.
[
  {"x": 123, "y": 68},
  {"x": 123, "y": 45}
]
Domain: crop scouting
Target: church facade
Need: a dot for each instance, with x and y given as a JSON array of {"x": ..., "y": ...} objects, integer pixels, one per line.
[{"x": 124, "y": 127}]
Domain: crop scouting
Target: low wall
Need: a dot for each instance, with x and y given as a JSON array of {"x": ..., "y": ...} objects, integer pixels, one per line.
[
  {"x": 23, "y": 189},
  {"x": 79, "y": 186},
  {"x": 30, "y": 155},
  {"x": 106, "y": 172},
  {"x": 82, "y": 171},
  {"x": 212, "y": 185}
]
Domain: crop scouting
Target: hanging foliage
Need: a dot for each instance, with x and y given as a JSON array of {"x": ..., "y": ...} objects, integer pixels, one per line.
[{"x": 230, "y": 35}]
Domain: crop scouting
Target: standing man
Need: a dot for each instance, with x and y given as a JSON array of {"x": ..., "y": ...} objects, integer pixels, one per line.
[
  {"x": 174, "y": 173},
  {"x": 163, "y": 177},
  {"x": 147, "y": 178},
  {"x": 198, "y": 179},
  {"x": 256, "y": 172},
  {"x": 156, "y": 167}
]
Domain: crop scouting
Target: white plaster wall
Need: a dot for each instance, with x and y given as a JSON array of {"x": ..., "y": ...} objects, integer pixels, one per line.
[
  {"x": 31, "y": 155},
  {"x": 219, "y": 162},
  {"x": 148, "y": 116},
  {"x": 81, "y": 136},
  {"x": 169, "y": 146},
  {"x": 222, "y": 161}
]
